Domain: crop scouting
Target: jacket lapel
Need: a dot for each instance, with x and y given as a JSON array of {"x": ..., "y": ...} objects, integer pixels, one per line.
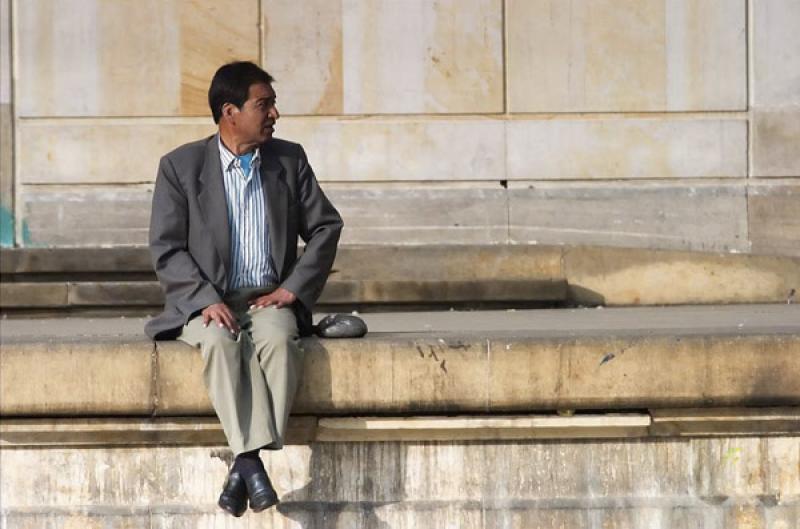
[
  {"x": 213, "y": 205},
  {"x": 277, "y": 201}
]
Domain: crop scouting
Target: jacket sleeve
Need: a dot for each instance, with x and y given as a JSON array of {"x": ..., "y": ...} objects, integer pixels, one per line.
[
  {"x": 184, "y": 285},
  {"x": 319, "y": 226}
]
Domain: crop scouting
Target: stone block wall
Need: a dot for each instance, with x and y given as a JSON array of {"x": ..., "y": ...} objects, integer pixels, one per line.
[
  {"x": 702, "y": 483},
  {"x": 644, "y": 123}
]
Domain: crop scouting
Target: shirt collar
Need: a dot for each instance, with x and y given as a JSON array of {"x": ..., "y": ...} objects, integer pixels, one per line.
[{"x": 229, "y": 160}]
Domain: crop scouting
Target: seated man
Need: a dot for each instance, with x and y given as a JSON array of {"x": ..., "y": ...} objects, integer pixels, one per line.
[{"x": 227, "y": 211}]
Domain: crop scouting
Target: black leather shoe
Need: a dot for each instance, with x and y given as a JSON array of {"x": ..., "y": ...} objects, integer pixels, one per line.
[
  {"x": 259, "y": 489},
  {"x": 234, "y": 495}
]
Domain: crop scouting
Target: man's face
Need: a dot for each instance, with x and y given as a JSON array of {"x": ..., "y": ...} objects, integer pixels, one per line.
[{"x": 255, "y": 121}]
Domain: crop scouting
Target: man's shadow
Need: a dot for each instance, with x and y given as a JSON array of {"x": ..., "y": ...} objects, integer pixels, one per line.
[{"x": 332, "y": 495}]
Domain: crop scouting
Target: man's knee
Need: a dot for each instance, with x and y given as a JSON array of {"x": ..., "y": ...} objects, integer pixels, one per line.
[
  {"x": 219, "y": 341},
  {"x": 279, "y": 344}
]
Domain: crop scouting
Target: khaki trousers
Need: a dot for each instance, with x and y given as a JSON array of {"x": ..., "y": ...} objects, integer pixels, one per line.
[{"x": 251, "y": 378}]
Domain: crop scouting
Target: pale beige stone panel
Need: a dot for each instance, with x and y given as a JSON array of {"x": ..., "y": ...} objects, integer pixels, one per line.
[
  {"x": 385, "y": 57},
  {"x": 303, "y": 51},
  {"x": 6, "y": 176},
  {"x": 418, "y": 56},
  {"x": 776, "y": 137},
  {"x": 698, "y": 216},
  {"x": 400, "y": 149},
  {"x": 108, "y": 151},
  {"x": 773, "y": 210},
  {"x": 339, "y": 150},
  {"x": 6, "y": 130},
  {"x": 85, "y": 216},
  {"x": 417, "y": 215},
  {"x": 776, "y": 53},
  {"x": 128, "y": 57},
  {"x": 632, "y": 55},
  {"x": 617, "y": 148},
  {"x": 5, "y": 52}
]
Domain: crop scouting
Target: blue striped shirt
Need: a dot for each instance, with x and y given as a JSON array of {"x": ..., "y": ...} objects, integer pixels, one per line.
[{"x": 251, "y": 257}]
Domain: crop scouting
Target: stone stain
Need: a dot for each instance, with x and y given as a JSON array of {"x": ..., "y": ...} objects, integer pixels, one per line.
[
  {"x": 332, "y": 99},
  {"x": 201, "y": 52},
  {"x": 465, "y": 73}
]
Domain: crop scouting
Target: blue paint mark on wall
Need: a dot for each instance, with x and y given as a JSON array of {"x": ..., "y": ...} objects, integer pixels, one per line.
[
  {"x": 7, "y": 224},
  {"x": 6, "y": 228}
]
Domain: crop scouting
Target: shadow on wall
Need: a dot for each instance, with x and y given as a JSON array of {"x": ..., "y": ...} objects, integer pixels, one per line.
[{"x": 347, "y": 481}]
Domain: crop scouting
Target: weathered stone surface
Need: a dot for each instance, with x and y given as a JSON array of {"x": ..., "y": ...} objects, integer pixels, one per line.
[
  {"x": 7, "y": 235},
  {"x": 776, "y": 53},
  {"x": 442, "y": 291},
  {"x": 784, "y": 462},
  {"x": 631, "y": 485},
  {"x": 731, "y": 467},
  {"x": 75, "y": 520},
  {"x": 350, "y": 63},
  {"x": 400, "y": 149},
  {"x": 563, "y": 374},
  {"x": 5, "y": 52},
  {"x": 180, "y": 389},
  {"x": 773, "y": 210},
  {"x": 745, "y": 517},
  {"x": 626, "y": 56},
  {"x": 617, "y": 148},
  {"x": 307, "y": 65},
  {"x": 433, "y": 373},
  {"x": 673, "y": 215},
  {"x": 68, "y": 378},
  {"x": 113, "y": 293},
  {"x": 776, "y": 134},
  {"x": 88, "y": 217},
  {"x": 465, "y": 428},
  {"x": 130, "y": 149},
  {"x": 350, "y": 361},
  {"x": 421, "y": 215},
  {"x": 133, "y": 294},
  {"x": 6, "y": 130},
  {"x": 127, "y": 58},
  {"x": 75, "y": 260},
  {"x": 121, "y": 432},
  {"x": 339, "y": 150},
  {"x": 783, "y": 516},
  {"x": 29, "y": 295},
  {"x": 467, "y": 262},
  {"x": 724, "y": 421},
  {"x": 615, "y": 276}
]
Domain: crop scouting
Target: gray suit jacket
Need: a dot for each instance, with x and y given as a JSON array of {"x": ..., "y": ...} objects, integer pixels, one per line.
[{"x": 190, "y": 236}]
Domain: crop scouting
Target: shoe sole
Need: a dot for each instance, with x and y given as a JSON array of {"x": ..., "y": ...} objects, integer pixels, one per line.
[
  {"x": 260, "y": 508},
  {"x": 231, "y": 512}
]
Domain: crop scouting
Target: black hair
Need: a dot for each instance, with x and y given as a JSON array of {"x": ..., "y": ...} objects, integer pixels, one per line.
[{"x": 231, "y": 84}]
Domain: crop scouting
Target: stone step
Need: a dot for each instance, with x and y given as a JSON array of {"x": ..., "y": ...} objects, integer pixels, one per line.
[
  {"x": 203, "y": 431},
  {"x": 77, "y": 294},
  {"x": 74, "y": 278},
  {"x": 494, "y": 362}
]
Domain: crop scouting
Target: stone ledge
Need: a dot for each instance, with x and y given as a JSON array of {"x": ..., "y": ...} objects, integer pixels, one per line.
[
  {"x": 420, "y": 373},
  {"x": 71, "y": 294},
  {"x": 206, "y": 431},
  {"x": 582, "y": 275}
]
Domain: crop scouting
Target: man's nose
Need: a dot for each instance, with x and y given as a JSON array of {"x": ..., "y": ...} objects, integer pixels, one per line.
[{"x": 274, "y": 114}]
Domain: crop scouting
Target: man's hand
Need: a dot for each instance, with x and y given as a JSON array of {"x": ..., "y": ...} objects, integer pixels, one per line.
[
  {"x": 280, "y": 297},
  {"x": 222, "y": 315}
]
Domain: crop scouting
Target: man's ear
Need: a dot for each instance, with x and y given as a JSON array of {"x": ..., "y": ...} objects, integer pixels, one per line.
[{"x": 228, "y": 111}]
